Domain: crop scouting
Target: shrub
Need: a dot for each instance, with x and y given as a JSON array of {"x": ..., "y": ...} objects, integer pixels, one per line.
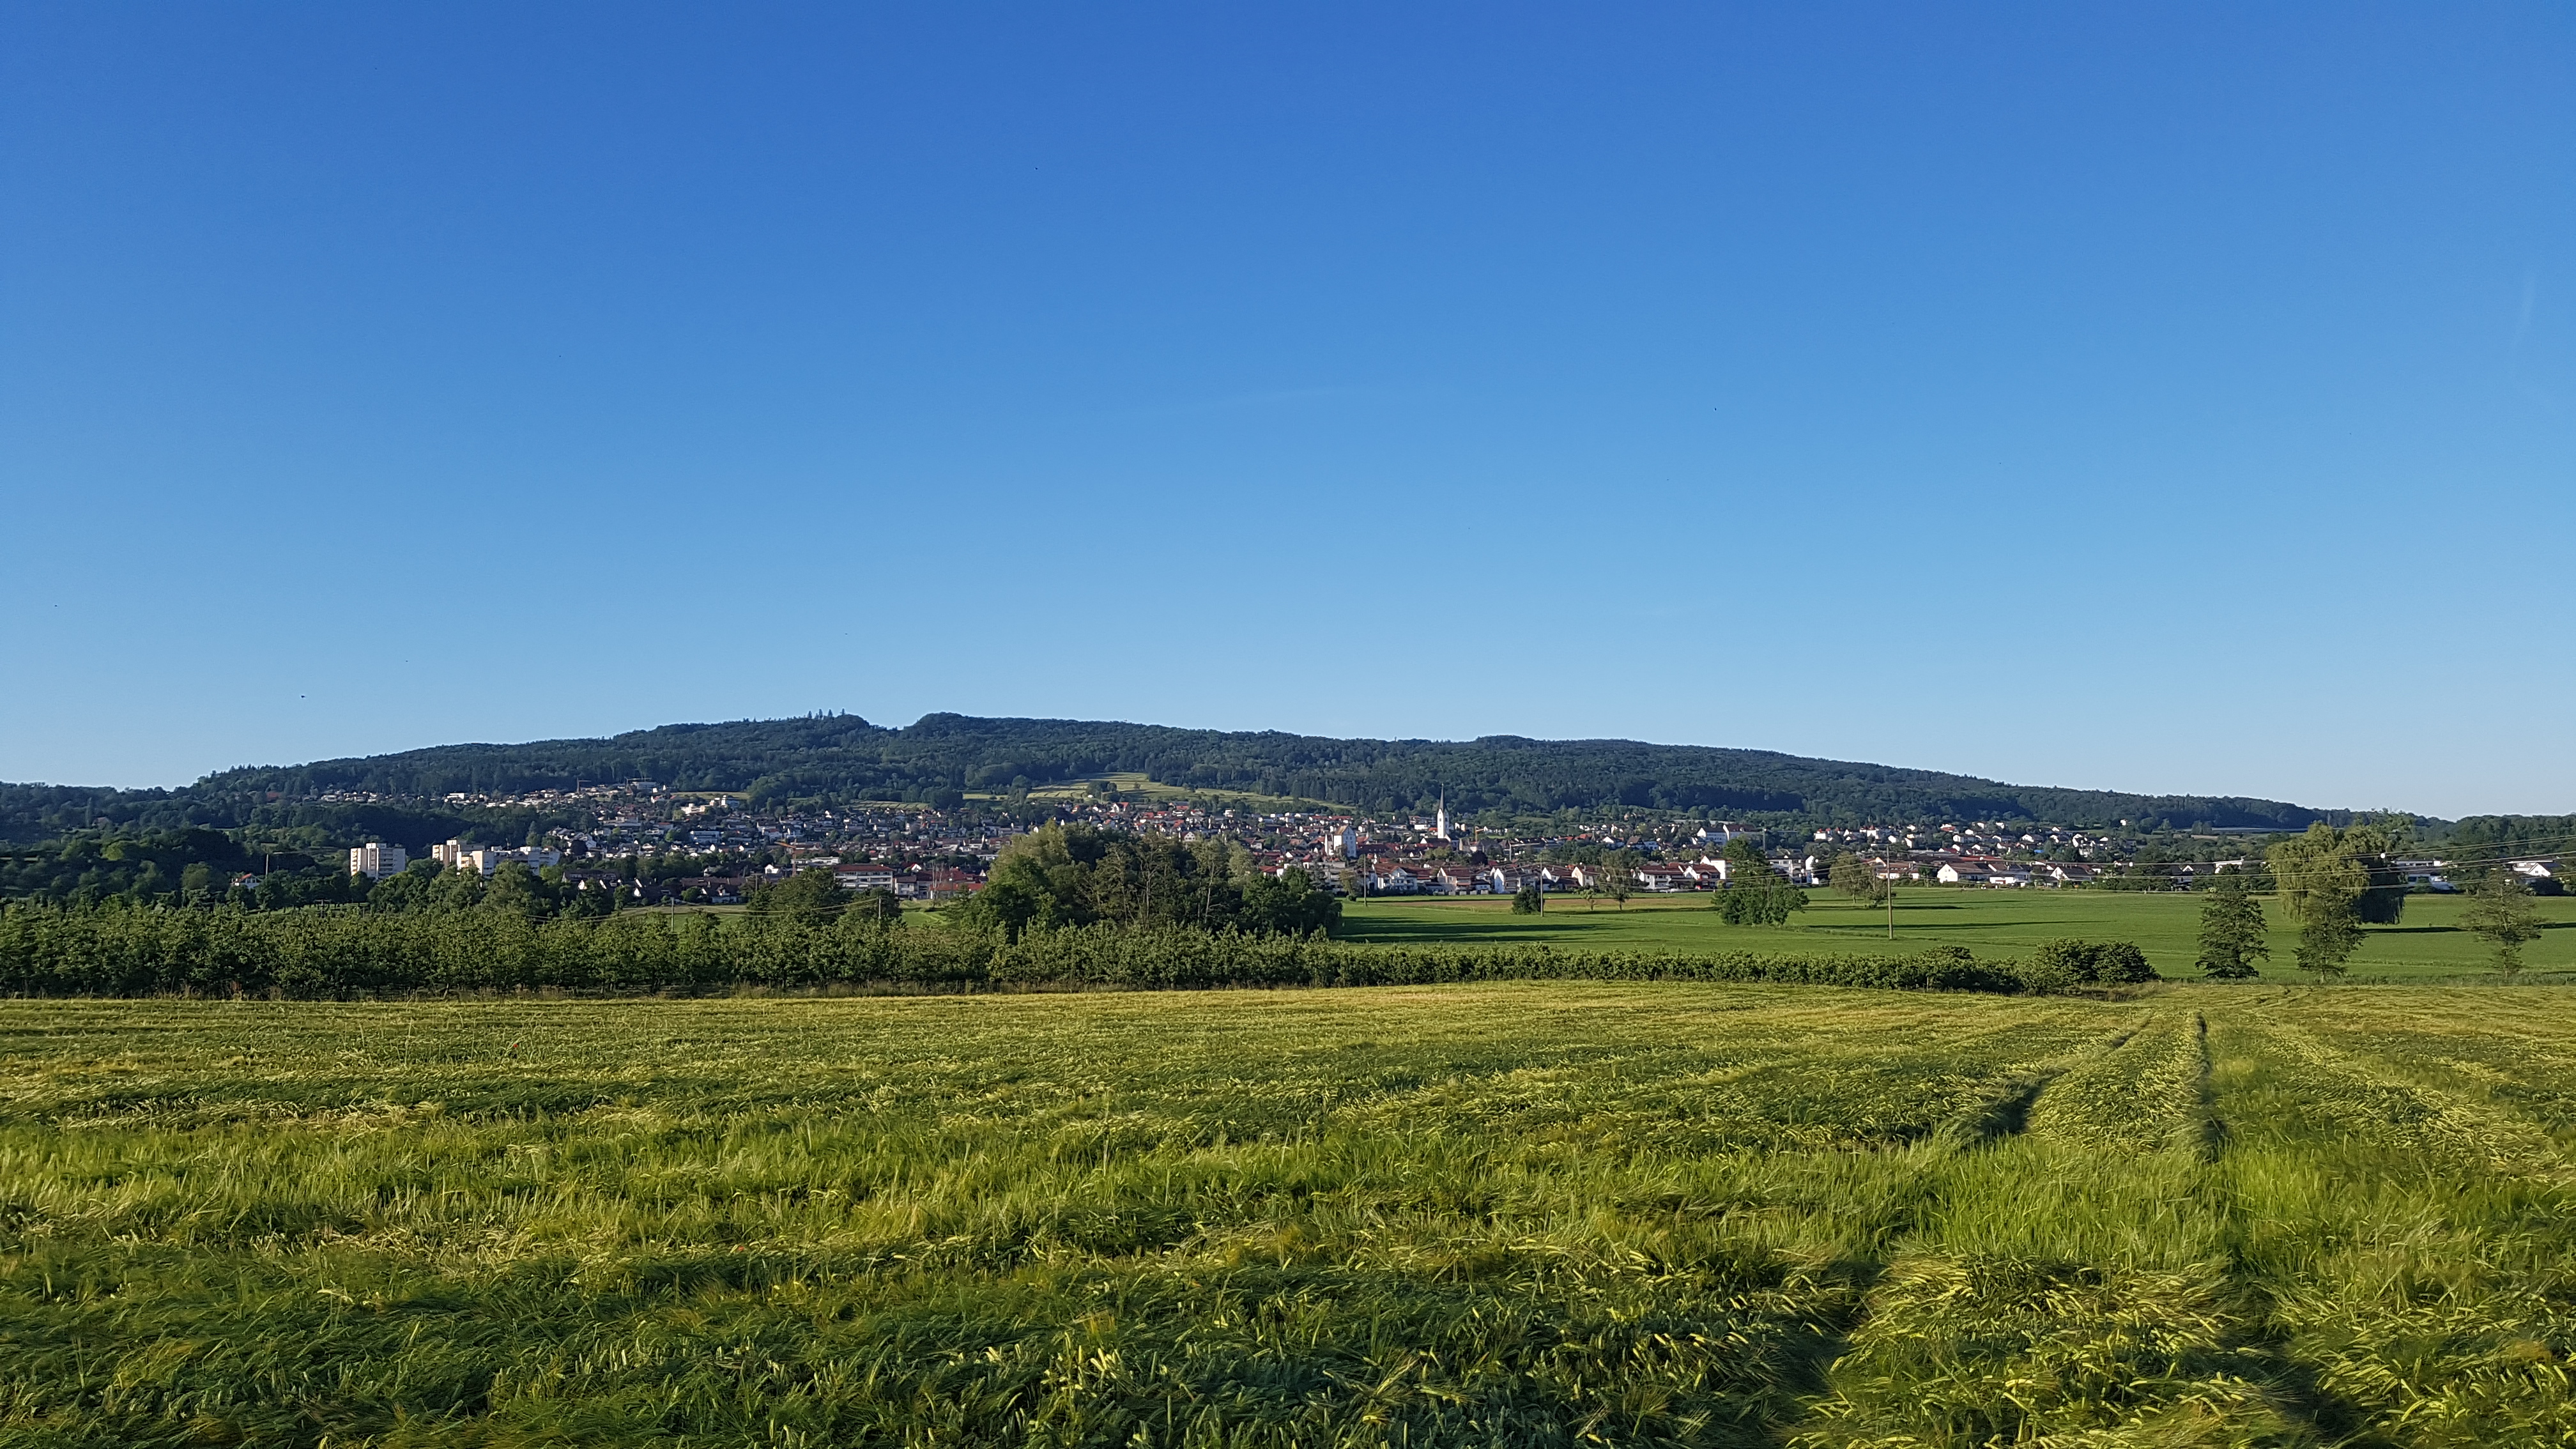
[{"x": 2065, "y": 963}]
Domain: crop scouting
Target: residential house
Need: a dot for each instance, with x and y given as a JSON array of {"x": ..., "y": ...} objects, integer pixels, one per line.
[
  {"x": 1456, "y": 880},
  {"x": 864, "y": 875},
  {"x": 947, "y": 883},
  {"x": 1395, "y": 880}
]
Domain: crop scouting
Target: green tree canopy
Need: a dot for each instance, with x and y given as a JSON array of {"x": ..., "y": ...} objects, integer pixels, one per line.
[
  {"x": 1754, "y": 893},
  {"x": 2340, "y": 861},
  {"x": 2501, "y": 913},
  {"x": 1076, "y": 874},
  {"x": 1858, "y": 879},
  {"x": 808, "y": 895},
  {"x": 2231, "y": 929}
]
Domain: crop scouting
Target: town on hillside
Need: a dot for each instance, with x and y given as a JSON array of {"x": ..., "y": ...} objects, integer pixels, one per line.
[{"x": 656, "y": 845}]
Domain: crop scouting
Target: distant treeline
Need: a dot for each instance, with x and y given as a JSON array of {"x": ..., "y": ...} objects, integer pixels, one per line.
[
  {"x": 198, "y": 867},
  {"x": 842, "y": 758},
  {"x": 338, "y": 952},
  {"x": 52, "y": 814}
]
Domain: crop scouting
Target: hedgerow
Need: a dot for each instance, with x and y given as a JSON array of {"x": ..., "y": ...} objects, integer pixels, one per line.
[{"x": 332, "y": 952}]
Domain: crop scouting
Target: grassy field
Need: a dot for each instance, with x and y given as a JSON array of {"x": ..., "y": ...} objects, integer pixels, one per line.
[
  {"x": 2427, "y": 945},
  {"x": 1526, "y": 1214}
]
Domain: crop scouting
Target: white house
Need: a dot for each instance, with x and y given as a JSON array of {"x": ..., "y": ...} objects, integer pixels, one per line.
[{"x": 1799, "y": 871}]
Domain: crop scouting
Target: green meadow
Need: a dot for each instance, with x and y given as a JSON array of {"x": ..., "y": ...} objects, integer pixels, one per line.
[
  {"x": 2427, "y": 945},
  {"x": 1524, "y": 1214}
]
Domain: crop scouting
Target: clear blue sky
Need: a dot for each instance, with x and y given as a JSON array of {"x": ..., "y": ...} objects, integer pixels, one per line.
[{"x": 2155, "y": 397}]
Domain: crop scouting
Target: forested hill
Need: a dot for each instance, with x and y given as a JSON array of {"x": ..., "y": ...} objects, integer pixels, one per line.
[{"x": 847, "y": 758}]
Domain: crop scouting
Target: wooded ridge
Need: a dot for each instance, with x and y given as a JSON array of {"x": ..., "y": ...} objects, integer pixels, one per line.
[{"x": 843, "y": 756}]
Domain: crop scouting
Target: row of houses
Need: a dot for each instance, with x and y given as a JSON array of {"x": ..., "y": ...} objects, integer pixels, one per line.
[
  {"x": 1460, "y": 878},
  {"x": 936, "y": 884},
  {"x": 2010, "y": 873}
]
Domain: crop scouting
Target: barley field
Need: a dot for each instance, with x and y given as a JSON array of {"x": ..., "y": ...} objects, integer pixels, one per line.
[{"x": 1521, "y": 1214}]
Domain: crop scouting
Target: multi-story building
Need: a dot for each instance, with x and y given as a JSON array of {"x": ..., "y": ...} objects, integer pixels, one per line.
[
  {"x": 485, "y": 859},
  {"x": 375, "y": 860}
]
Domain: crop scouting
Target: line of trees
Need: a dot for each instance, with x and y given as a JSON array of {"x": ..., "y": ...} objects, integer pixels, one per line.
[
  {"x": 340, "y": 952},
  {"x": 2332, "y": 881}
]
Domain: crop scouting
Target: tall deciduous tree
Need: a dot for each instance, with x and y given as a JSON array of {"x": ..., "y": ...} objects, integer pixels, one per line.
[
  {"x": 1856, "y": 878},
  {"x": 2501, "y": 914},
  {"x": 808, "y": 895},
  {"x": 2351, "y": 856},
  {"x": 2329, "y": 916},
  {"x": 2231, "y": 930},
  {"x": 1618, "y": 873},
  {"x": 1755, "y": 894},
  {"x": 2332, "y": 879}
]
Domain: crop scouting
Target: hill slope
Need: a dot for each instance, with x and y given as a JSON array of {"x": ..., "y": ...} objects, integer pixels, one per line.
[{"x": 847, "y": 757}]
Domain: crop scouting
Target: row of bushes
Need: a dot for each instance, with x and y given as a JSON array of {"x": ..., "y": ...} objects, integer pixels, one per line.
[{"x": 338, "y": 952}]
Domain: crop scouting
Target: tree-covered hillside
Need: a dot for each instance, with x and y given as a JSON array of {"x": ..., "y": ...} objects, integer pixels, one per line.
[{"x": 845, "y": 757}]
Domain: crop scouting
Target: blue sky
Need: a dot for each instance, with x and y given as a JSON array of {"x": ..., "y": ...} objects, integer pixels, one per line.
[{"x": 2168, "y": 398}]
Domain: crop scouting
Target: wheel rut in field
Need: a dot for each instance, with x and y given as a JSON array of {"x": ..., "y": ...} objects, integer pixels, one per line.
[
  {"x": 2009, "y": 1275},
  {"x": 2267, "y": 1091},
  {"x": 1930, "y": 1287},
  {"x": 2007, "y": 1112}
]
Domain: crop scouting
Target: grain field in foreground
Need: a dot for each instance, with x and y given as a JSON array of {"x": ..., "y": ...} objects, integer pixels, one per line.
[{"x": 1523, "y": 1214}]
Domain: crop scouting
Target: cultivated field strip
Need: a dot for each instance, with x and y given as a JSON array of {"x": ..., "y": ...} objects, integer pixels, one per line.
[
  {"x": 2374, "y": 1095},
  {"x": 2417, "y": 1286},
  {"x": 2489, "y": 1048},
  {"x": 2142, "y": 1095},
  {"x": 1514, "y": 1214}
]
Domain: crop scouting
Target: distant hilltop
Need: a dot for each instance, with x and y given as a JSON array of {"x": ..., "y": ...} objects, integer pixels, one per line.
[{"x": 944, "y": 756}]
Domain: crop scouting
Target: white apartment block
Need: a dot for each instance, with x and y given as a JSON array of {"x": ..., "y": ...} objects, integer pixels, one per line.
[
  {"x": 375, "y": 860},
  {"x": 483, "y": 860}
]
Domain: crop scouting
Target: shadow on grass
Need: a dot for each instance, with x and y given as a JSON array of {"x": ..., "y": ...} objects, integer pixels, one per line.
[
  {"x": 1903, "y": 924},
  {"x": 1400, "y": 931}
]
